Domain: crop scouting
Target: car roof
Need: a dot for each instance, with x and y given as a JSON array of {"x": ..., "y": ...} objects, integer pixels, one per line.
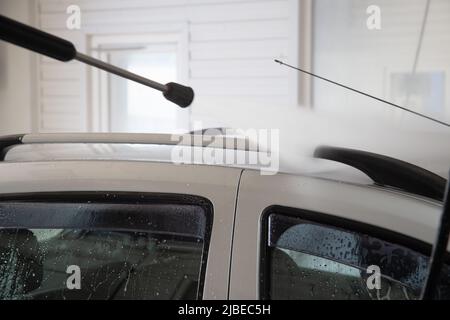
[{"x": 162, "y": 147}]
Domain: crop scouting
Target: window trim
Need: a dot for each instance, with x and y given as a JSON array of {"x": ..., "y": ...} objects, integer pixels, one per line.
[
  {"x": 332, "y": 221},
  {"x": 114, "y": 197}
]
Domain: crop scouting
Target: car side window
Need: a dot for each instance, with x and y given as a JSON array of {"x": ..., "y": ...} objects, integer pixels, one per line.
[
  {"x": 94, "y": 250},
  {"x": 305, "y": 259}
]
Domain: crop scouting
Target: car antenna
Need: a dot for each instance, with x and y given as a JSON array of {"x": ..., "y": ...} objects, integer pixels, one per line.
[
  {"x": 363, "y": 93},
  {"x": 60, "y": 49}
]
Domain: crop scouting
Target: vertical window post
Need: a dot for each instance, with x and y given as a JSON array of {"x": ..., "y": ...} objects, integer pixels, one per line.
[{"x": 439, "y": 250}]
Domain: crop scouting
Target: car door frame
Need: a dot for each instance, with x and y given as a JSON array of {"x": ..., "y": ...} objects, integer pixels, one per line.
[
  {"x": 379, "y": 208},
  {"x": 216, "y": 184}
]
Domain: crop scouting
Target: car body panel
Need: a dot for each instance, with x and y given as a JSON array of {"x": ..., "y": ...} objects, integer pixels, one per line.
[
  {"x": 239, "y": 195},
  {"x": 410, "y": 216},
  {"x": 216, "y": 184},
  {"x": 57, "y": 151}
]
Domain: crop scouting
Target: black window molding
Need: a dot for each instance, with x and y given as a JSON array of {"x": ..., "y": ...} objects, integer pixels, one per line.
[{"x": 331, "y": 221}]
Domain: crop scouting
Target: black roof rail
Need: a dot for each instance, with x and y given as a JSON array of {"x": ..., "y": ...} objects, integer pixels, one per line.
[
  {"x": 6, "y": 142},
  {"x": 388, "y": 171}
]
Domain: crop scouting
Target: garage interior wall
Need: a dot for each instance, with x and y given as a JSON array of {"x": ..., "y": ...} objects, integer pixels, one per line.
[
  {"x": 17, "y": 75},
  {"x": 231, "y": 46},
  {"x": 230, "y": 49},
  {"x": 375, "y": 61}
]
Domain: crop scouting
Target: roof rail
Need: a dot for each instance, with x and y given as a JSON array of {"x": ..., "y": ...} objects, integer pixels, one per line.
[
  {"x": 388, "y": 171},
  {"x": 195, "y": 140},
  {"x": 7, "y": 142}
]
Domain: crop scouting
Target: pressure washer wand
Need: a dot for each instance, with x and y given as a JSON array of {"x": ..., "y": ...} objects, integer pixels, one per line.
[{"x": 60, "y": 49}]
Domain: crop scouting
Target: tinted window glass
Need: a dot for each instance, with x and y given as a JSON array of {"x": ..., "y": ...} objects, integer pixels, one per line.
[
  {"x": 307, "y": 260},
  {"x": 102, "y": 251}
]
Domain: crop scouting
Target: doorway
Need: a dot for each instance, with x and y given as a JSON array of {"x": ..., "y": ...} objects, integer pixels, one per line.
[{"x": 120, "y": 105}]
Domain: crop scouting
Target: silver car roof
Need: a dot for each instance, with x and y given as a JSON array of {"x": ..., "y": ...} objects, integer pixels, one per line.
[{"x": 161, "y": 147}]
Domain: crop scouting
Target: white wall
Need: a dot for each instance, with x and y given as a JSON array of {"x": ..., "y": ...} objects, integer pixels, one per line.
[
  {"x": 231, "y": 48},
  {"x": 17, "y": 85},
  {"x": 347, "y": 51}
]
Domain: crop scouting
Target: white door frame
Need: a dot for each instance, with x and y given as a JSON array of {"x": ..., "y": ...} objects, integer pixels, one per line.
[
  {"x": 100, "y": 45},
  {"x": 300, "y": 51}
]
